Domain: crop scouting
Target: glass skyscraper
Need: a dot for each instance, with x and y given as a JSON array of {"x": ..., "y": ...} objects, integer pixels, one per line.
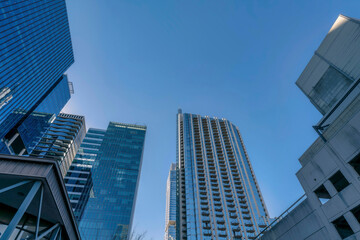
[
  {"x": 115, "y": 175},
  {"x": 35, "y": 51},
  {"x": 218, "y": 195},
  {"x": 78, "y": 180},
  {"x": 170, "y": 215},
  {"x": 35, "y": 125}
]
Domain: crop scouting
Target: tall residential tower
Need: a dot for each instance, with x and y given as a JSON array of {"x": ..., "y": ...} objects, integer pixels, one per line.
[
  {"x": 170, "y": 215},
  {"x": 218, "y": 195}
]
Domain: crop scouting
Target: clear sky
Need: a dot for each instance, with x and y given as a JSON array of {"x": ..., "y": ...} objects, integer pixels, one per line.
[{"x": 139, "y": 61}]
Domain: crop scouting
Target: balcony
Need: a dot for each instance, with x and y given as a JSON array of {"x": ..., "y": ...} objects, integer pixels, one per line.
[
  {"x": 219, "y": 215},
  {"x": 218, "y": 209},
  {"x": 233, "y": 215},
  {"x": 222, "y": 222},
  {"x": 205, "y": 214},
  {"x": 222, "y": 234}
]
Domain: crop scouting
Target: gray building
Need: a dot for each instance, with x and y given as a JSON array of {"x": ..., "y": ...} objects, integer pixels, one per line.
[
  {"x": 330, "y": 167},
  {"x": 218, "y": 195},
  {"x": 62, "y": 140},
  {"x": 33, "y": 200}
]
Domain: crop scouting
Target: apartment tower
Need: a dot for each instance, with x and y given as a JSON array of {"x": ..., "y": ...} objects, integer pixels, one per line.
[
  {"x": 170, "y": 214},
  {"x": 218, "y": 195}
]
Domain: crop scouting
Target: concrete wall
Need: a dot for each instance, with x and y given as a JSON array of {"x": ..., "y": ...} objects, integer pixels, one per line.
[
  {"x": 301, "y": 223},
  {"x": 331, "y": 154}
]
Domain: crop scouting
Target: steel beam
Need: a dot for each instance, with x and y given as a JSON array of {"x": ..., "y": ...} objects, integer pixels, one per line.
[
  {"x": 14, "y": 186},
  {"x": 19, "y": 214},
  {"x": 55, "y": 233},
  {"x": 47, "y": 231},
  {"x": 39, "y": 213}
]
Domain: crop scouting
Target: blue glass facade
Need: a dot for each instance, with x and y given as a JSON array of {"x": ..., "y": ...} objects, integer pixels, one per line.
[
  {"x": 78, "y": 180},
  {"x": 35, "y": 125},
  {"x": 218, "y": 195},
  {"x": 33, "y": 128},
  {"x": 56, "y": 100},
  {"x": 170, "y": 215},
  {"x": 35, "y": 51},
  {"x": 115, "y": 173}
]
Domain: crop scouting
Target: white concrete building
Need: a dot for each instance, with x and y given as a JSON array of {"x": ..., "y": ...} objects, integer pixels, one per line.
[{"x": 330, "y": 172}]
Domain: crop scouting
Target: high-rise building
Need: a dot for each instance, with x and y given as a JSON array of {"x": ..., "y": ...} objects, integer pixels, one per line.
[
  {"x": 218, "y": 195},
  {"x": 35, "y": 52},
  {"x": 170, "y": 215},
  {"x": 330, "y": 167},
  {"x": 35, "y": 125},
  {"x": 115, "y": 175},
  {"x": 61, "y": 140},
  {"x": 78, "y": 180}
]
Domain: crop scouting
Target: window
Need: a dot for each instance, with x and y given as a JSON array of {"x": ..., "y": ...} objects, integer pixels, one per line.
[
  {"x": 330, "y": 88},
  {"x": 322, "y": 194},
  {"x": 355, "y": 163},
  {"x": 339, "y": 181},
  {"x": 356, "y": 212},
  {"x": 343, "y": 227}
]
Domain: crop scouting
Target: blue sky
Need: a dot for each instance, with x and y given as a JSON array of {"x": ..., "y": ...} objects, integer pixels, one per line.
[{"x": 139, "y": 61}]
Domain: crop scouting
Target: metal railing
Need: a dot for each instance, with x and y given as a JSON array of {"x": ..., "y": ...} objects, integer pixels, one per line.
[
  {"x": 278, "y": 219},
  {"x": 320, "y": 126}
]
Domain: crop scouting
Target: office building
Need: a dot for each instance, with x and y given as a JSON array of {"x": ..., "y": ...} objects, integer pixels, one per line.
[
  {"x": 170, "y": 215},
  {"x": 330, "y": 167},
  {"x": 33, "y": 200},
  {"x": 218, "y": 195},
  {"x": 115, "y": 175},
  {"x": 78, "y": 180},
  {"x": 35, "y": 52},
  {"x": 61, "y": 140}
]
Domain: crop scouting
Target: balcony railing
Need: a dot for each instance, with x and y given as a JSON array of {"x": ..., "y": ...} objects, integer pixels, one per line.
[{"x": 278, "y": 219}]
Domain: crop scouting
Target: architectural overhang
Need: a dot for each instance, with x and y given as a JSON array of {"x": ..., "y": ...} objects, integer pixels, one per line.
[{"x": 25, "y": 173}]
